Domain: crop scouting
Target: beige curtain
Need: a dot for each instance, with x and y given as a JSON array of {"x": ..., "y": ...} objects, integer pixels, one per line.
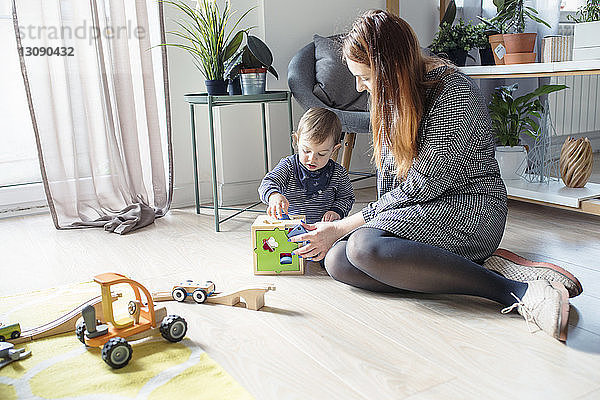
[{"x": 97, "y": 85}]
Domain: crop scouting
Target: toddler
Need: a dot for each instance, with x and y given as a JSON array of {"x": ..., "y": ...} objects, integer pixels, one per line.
[{"x": 309, "y": 182}]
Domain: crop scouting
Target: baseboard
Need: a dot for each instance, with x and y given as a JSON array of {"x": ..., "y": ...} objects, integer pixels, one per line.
[{"x": 22, "y": 200}]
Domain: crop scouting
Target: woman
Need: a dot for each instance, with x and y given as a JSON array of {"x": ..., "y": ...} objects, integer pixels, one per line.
[{"x": 441, "y": 204}]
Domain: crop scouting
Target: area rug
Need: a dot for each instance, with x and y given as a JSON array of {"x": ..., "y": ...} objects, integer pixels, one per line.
[{"x": 61, "y": 367}]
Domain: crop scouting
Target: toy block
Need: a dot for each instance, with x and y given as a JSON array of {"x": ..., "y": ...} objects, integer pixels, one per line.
[
  {"x": 297, "y": 230},
  {"x": 272, "y": 252}
]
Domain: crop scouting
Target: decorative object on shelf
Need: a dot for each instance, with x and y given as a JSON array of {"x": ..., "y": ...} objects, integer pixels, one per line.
[
  {"x": 557, "y": 48},
  {"x": 251, "y": 65},
  {"x": 453, "y": 41},
  {"x": 207, "y": 40},
  {"x": 586, "y": 45},
  {"x": 510, "y": 118},
  {"x": 576, "y": 162},
  {"x": 510, "y": 22},
  {"x": 540, "y": 166}
]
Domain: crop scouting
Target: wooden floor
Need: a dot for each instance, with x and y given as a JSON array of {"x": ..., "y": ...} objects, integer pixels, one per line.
[{"x": 318, "y": 339}]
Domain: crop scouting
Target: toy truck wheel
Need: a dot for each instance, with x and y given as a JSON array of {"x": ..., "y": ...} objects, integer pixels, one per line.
[
  {"x": 117, "y": 352},
  {"x": 179, "y": 294},
  {"x": 80, "y": 331},
  {"x": 15, "y": 334},
  {"x": 2, "y": 338},
  {"x": 173, "y": 328},
  {"x": 199, "y": 296}
]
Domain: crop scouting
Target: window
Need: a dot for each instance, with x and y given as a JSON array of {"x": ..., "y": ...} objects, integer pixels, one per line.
[
  {"x": 567, "y": 7},
  {"x": 19, "y": 168}
]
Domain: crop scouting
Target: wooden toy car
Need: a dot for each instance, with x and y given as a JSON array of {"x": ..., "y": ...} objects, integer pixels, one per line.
[
  {"x": 142, "y": 322},
  {"x": 12, "y": 331},
  {"x": 197, "y": 291}
]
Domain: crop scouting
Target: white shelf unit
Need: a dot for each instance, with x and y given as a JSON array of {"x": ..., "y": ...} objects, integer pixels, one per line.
[
  {"x": 555, "y": 194},
  {"x": 533, "y": 70}
]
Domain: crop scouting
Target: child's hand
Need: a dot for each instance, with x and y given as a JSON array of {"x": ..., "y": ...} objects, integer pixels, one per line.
[
  {"x": 331, "y": 216},
  {"x": 278, "y": 205}
]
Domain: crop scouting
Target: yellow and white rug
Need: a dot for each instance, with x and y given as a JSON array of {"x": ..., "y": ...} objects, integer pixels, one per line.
[{"x": 61, "y": 367}]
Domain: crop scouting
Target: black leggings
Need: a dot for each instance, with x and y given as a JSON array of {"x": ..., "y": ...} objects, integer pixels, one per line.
[{"x": 376, "y": 260}]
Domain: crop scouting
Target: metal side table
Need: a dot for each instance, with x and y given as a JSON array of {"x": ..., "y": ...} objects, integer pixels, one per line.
[{"x": 224, "y": 100}]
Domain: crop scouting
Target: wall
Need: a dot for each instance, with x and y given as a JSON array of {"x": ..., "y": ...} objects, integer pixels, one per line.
[
  {"x": 285, "y": 26},
  {"x": 423, "y": 16}
]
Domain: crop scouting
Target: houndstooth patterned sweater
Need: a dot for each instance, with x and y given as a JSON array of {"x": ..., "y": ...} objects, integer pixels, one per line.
[
  {"x": 338, "y": 196},
  {"x": 453, "y": 196}
]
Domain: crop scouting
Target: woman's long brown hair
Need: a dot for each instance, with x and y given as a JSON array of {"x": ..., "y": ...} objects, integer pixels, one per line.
[{"x": 389, "y": 47}]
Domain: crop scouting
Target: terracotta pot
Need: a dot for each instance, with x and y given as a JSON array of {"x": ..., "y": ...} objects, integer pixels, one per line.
[
  {"x": 498, "y": 49},
  {"x": 576, "y": 162},
  {"x": 252, "y": 70},
  {"x": 519, "y": 42},
  {"x": 519, "y": 58}
]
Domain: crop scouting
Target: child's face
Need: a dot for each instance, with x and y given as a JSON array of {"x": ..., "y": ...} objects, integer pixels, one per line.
[{"x": 315, "y": 156}]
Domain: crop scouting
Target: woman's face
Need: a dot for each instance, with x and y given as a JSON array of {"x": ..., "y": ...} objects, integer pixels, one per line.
[{"x": 363, "y": 75}]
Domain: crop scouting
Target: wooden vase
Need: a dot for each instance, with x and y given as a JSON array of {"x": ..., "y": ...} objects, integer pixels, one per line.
[{"x": 576, "y": 161}]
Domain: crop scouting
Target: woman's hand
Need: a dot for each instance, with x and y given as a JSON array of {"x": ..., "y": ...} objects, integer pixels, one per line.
[
  {"x": 278, "y": 205},
  {"x": 319, "y": 239},
  {"x": 322, "y": 235}
]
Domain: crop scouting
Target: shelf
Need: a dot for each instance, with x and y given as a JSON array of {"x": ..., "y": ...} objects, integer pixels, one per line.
[
  {"x": 584, "y": 67},
  {"x": 556, "y": 194}
]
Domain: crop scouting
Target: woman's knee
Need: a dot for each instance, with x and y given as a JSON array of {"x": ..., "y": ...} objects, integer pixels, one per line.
[
  {"x": 365, "y": 247},
  {"x": 336, "y": 262}
]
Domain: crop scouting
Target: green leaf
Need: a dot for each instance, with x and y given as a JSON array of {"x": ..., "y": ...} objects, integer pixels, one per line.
[
  {"x": 272, "y": 70},
  {"x": 234, "y": 45},
  {"x": 260, "y": 50}
]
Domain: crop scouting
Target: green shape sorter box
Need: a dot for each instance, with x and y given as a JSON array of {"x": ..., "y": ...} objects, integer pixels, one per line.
[{"x": 271, "y": 249}]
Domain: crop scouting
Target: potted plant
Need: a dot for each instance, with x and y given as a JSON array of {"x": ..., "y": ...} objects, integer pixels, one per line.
[
  {"x": 586, "y": 31},
  {"x": 208, "y": 40},
  {"x": 512, "y": 117},
  {"x": 495, "y": 36},
  {"x": 511, "y": 18},
  {"x": 455, "y": 41},
  {"x": 251, "y": 65},
  {"x": 483, "y": 44}
]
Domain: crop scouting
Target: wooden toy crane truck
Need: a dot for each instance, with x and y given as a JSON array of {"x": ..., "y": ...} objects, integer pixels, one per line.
[{"x": 111, "y": 334}]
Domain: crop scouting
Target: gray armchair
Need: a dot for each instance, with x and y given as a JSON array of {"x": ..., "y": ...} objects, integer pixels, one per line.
[{"x": 317, "y": 77}]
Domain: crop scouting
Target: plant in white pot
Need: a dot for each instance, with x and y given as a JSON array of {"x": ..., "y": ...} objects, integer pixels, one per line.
[
  {"x": 512, "y": 117},
  {"x": 586, "y": 45}
]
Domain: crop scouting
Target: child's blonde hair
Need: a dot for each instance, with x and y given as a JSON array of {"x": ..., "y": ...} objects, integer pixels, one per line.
[{"x": 319, "y": 124}]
